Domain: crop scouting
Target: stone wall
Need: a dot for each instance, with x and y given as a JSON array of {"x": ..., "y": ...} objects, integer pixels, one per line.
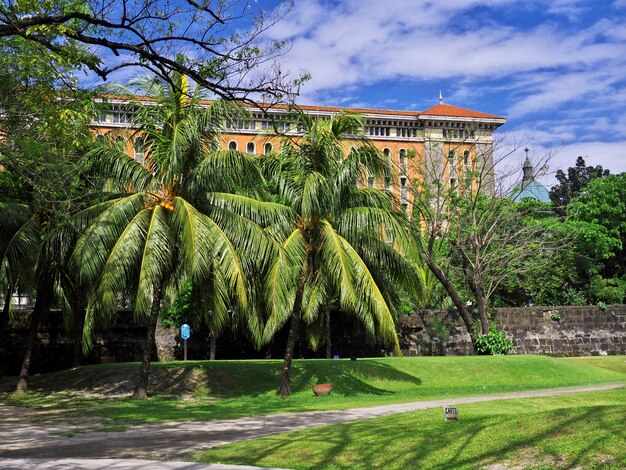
[{"x": 556, "y": 331}]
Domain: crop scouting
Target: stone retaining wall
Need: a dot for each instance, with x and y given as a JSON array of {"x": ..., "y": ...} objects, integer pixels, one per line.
[{"x": 556, "y": 331}]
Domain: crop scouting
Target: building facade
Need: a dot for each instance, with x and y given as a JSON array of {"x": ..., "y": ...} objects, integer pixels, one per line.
[{"x": 443, "y": 141}]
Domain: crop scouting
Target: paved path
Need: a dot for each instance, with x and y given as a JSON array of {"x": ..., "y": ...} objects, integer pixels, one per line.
[
  {"x": 20, "y": 438},
  {"x": 114, "y": 464}
]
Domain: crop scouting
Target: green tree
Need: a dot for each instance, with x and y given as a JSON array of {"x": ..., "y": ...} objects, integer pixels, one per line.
[
  {"x": 223, "y": 42},
  {"x": 45, "y": 127},
  {"x": 334, "y": 247},
  {"x": 572, "y": 184},
  {"x": 173, "y": 224},
  {"x": 602, "y": 205}
]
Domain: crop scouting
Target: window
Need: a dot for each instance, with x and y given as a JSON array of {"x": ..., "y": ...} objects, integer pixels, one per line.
[
  {"x": 139, "y": 150},
  {"x": 387, "y": 154},
  {"x": 99, "y": 138},
  {"x": 370, "y": 181},
  {"x": 232, "y": 145},
  {"x": 267, "y": 149},
  {"x": 403, "y": 180},
  {"x": 388, "y": 183},
  {"x": 119, "y": 140},
  {"x": 466, "y": 158},
  {"x": 250, "y": 148},
  {"x": 402, "y": 160}
]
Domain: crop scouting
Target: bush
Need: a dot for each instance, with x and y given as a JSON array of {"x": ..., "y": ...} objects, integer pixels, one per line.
[{"x": 495, "y": 343}]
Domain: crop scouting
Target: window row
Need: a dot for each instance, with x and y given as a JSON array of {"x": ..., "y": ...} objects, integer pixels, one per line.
[{"x": 458, "y": 134}]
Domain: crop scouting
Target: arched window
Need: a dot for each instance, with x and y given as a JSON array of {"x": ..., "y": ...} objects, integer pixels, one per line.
[
  {"x": 402, "y": 160},
  {"x": 268, "y": 148},
  {"x": 121, "y": 141},
  {"x": 466, "y": 158},
  {"x": 387, "y": 154},
  {"x": 250, "y": 148},
  {"x": 100, "y": 138},
  {"x": 139, "y": 150},
  {"x": 370, "y": 180},
  {"x": 232, "y": 145}
]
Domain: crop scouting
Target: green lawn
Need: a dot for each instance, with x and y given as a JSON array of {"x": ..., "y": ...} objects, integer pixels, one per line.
[
  {"x": 230, "y": 389},
  {"x": 575, "y": 431}
]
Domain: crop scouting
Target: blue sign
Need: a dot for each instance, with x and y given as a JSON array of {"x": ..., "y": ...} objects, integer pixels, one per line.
[{"x": 185, "y": 331}]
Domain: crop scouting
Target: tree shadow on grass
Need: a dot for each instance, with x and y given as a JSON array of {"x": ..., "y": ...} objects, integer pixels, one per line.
[
  {"x": 349, "y": 378},
  {"x": 437, "y": 445},
  {"x": 451, "y": 445}
]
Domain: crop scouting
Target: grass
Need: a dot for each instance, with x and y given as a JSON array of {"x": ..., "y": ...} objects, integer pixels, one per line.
[
  {"x": 206, "y": 390},
  {"x": 573, "y": 431}
]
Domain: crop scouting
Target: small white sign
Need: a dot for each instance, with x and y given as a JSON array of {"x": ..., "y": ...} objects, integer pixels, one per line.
[{"x": 451, "y": 413}]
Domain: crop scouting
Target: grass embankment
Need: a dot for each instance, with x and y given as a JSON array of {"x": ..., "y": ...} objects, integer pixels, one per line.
[
  {"x": 573, "y": 431},
  {"x": 229, "y": 389}
]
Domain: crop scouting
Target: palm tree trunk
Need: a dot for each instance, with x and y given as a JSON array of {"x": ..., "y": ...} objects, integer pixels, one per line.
[
  {"x": 212, "y": 346},
  {"x": 78, "y": 323},
  {"x": 285, "y": 379},
  {"x": 6, "y": 309},
  {"x": 141, "y": 389},
  {"x": 328, "y": 340},
  {"x": 284, "y": 390},
  {"x": 44, "y": 291}
]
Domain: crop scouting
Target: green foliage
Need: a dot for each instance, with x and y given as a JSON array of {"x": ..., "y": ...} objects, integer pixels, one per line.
[
  {"x": 555, "y": 316},
  {"x": 602, "y": 306},
  {"x": 178, "y": 312},
  {"x": 494, "y": 343},
  {"x": 573, "y": 183},
  {"x": 609, "y": 291}
]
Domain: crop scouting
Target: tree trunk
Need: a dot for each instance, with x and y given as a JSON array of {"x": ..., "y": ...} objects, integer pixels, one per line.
[
  {"x": 458, "y": 303},
  {"x": 6, "y": 309},
  {"x": 42, "y": 303},
  {"x": 285, "y": 379},
  {"x": 78, "y": 322},
  {"x": 482, "y": 312},
  {"x": 141, "y": 389},
  {"x": 212, "y": 346},
  {"x": 328, "y": 340}
]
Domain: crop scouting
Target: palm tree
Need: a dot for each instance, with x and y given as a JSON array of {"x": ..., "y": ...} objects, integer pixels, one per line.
[
  {"x": 172, "y": 225},
  {"x": 335, "y": 247}
]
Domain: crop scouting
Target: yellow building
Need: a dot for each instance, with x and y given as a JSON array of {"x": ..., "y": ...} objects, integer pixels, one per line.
[{"x": 443, "y": 140}]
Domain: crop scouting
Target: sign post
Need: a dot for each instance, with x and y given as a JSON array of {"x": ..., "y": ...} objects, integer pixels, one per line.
[
  {"x": 185, "y": 332},
  {"x": 451, "y": 413}
]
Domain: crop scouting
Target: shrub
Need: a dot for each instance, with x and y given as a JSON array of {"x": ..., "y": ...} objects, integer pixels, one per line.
[{"x": 495, "y": 343}]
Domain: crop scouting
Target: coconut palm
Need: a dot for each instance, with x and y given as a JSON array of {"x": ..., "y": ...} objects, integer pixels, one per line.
[
  {"x": 336, "y": 246},
  {"x": 172, "y": 225}
]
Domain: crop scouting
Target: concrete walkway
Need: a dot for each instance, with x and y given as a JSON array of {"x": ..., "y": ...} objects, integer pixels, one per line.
[
  {"x": 115, "y": 464},
  {"x": 20, "y": 438}
]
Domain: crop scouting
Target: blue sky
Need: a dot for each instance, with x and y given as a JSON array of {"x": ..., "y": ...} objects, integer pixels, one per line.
[{"x": 556, "y": 69}]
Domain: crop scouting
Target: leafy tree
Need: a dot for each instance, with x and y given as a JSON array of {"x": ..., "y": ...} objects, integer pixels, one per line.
[
  {"x": 173, "y": 223},
  {"x": 223, "y": 41},
  {"x": 44, "y": 134},
  {"x": 334, "y": 246},
  {"x": 602, "y": 206},
  {"x": 571, "y": 184},
  {"x": 473, "y": 239}
]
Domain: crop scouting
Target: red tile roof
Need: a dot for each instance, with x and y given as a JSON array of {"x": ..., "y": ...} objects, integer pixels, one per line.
[
  {"x": 440, "y": 109},
  {"x": 454, "y": 111}
]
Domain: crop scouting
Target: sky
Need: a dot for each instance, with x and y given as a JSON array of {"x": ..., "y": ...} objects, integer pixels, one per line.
[{"x": 556, "y": 69}]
